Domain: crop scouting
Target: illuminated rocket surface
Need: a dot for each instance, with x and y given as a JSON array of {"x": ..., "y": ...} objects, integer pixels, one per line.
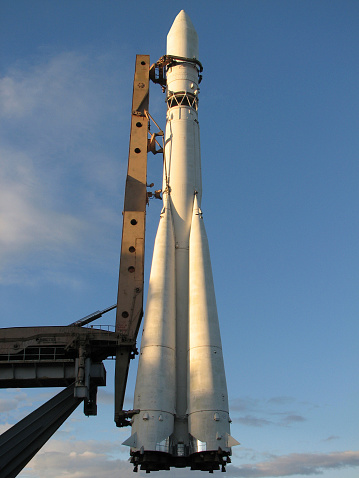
[{"x": 181, "y": 390}]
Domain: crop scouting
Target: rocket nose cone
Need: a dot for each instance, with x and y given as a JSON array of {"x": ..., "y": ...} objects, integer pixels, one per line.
[{"x": 182, "y": 39}]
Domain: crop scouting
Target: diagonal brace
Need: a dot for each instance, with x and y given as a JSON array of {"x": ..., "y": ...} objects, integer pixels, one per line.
[{"x": 22, "y": 441}]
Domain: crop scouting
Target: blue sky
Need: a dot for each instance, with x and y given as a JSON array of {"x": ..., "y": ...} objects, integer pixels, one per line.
[{"x": 279, "y": 124}]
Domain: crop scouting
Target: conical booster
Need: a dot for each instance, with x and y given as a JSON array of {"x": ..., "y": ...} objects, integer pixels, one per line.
[
  {"x": 208, "y": 416},
  {"x": 155, "y": 391}
]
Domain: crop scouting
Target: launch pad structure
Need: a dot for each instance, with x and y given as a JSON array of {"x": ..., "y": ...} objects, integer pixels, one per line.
[{"x": 72, "y": 356}]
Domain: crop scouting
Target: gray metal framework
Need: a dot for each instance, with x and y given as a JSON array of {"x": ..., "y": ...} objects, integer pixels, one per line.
[{"x": 54, "y": 356}]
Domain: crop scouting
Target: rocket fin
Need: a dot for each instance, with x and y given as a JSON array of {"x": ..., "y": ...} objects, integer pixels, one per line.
[
  {"x": 131, "y": 441},
  {"x": 232, "y": 441}
]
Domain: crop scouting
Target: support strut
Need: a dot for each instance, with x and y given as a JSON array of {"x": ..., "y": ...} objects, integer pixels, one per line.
[
  {"x": 131, "y": 276},
  {"x": 22, "y": 441}
]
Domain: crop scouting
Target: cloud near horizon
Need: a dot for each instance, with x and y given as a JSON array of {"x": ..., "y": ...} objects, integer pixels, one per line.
[
  {"x": 90, "y": 459},
  {"x": 296, "y": 464}
]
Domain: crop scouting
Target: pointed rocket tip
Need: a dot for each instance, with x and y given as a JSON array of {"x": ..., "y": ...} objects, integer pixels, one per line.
[
  {"x": 182, "y": 15},
  {"x": 184, "y": 20},
  {"x": 182, "y": 39}
]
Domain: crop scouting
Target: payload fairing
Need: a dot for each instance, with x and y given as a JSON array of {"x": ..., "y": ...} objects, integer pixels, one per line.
[{"x": 181, "y": 390}]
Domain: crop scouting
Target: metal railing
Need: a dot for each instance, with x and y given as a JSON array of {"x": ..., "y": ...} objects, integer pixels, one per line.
[{"x": 35, "y": 354}]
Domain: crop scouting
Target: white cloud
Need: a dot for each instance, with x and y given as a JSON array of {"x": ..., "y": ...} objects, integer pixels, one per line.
[
  {"x": 14, "y": 102},
  {"x": 90, "y": 459},
  {"x": 78, "y": 459},
  {"x": 14, "y": 400},
  {"x": 77, "y": 465},
  {"x": 60, "y": 167},
  {"x": 59, "y": 89},
  {"x": 25, "y": 216},
  {"x": 297, "y": 464},
  {"x": 7, "y": 404}
]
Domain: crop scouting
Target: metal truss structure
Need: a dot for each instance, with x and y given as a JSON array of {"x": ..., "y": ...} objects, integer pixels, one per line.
[{"x": 72, "y": 356}]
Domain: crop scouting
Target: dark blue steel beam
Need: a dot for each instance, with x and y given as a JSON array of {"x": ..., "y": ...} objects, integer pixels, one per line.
[{"x": 22, "y": 441}]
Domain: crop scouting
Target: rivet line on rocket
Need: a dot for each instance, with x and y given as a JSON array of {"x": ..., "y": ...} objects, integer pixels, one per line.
[{"x": 162, "y": 346}]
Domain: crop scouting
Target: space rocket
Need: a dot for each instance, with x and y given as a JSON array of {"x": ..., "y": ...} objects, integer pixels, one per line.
[{"x": 181, "y": 392}]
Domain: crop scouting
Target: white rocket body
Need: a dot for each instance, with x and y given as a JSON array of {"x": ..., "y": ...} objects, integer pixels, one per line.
[
  {"x": 155, "y": 392},
  {"x": 181, "y": 389}
]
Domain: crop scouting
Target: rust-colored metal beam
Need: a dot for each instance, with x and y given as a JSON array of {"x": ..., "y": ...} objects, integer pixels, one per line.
[{"x": 131, "y": 276}]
